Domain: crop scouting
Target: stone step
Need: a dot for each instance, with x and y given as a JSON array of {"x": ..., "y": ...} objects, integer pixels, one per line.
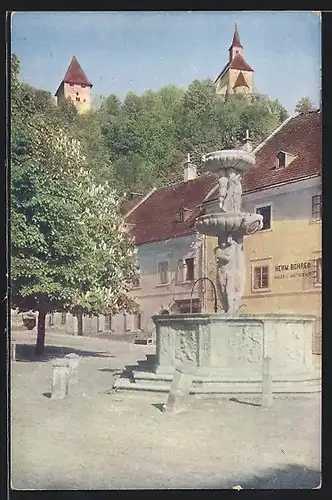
[
  {"x": 293, "y": 388},
  {"x": 167, "y": 378}
]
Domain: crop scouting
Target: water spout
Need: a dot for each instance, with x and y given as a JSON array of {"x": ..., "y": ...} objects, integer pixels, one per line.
[{"x": 214, "y": 290}]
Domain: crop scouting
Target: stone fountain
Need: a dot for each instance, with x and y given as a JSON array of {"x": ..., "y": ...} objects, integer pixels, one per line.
[{"x": 225, "y": 351}]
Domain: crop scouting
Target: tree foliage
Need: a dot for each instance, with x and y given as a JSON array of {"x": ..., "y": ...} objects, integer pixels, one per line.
[
  {"x": 304, "y": 105},
  {"x": 148, "y": 137},
  {"x": 69, "y": 251}
]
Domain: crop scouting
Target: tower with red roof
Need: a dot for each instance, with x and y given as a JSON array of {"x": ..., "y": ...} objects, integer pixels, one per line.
[
  {"x": 236, "y": 76},
  {"x": 75, "y": 86}
]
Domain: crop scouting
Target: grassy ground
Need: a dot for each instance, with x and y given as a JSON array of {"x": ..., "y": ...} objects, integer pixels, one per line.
[{"x": 96, "y": 439}]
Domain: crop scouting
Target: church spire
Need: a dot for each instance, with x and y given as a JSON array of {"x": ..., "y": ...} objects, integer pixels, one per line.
[
  {"x": 236, "y": 47},
  {"x": 236, "y": 38}
]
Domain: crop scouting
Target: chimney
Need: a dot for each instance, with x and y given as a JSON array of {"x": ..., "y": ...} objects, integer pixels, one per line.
[
  {"x": 190, "y": 170},
  {"x": 247, "y": 143}
]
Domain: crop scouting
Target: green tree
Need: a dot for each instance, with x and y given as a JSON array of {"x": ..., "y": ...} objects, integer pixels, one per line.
[
  {"x": 69, "y": 251},
  {"x": 305, "y": 105}
]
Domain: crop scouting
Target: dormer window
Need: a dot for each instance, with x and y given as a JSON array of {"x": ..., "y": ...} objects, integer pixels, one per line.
[
  {"x": 281, "y": 159},
  {"x": 284, "y": 159},
  {"x": 183, "y": 214},
  {"x": 180, "y": 215}
]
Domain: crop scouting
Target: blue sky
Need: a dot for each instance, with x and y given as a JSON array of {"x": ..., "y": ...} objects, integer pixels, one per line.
[{"x": 135, "y": 51}]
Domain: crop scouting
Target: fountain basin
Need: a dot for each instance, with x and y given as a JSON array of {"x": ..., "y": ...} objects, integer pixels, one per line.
[
  {"x": 225, "y": 222},
  {"x": 225, "y": 353},
  {"x": 237, "y": 159}
]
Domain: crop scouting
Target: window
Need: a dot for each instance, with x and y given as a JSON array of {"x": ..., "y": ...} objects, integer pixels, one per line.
[
  {"x": 316, "y": 207},
  {"x": 77, "y": 93},
  {"x": 189, "y": 269},
  {"x": 77, "y": 99},
  {"x": 162, "y": 270},
  {"x": 266, "y": 213},
  {"x": 137, "y": 321},
  {"x": 71, "y": 84},
  {"x": 187, "y": 305},
  {"x": 84, "y": 100},
  {"x": 83, "y": 86},
  {"x": 281, "y": 159},
  {"x": 261, "y": 277},
  {"x": 63, "y": 318},
  {"x": 51, "y": 319},
  {"x": 137, "y": 277},
  {"x": 318, "y": 271},
  {"x": 108, "y": 322}
]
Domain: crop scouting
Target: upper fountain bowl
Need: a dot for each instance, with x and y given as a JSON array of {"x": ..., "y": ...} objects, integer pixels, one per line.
[
  {"x": 216, "y": 224},
  {"x": 229, "y": 158}
]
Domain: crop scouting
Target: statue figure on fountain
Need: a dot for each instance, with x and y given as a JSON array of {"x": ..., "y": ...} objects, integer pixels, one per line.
[
  {"x": 230, "y": 191},
  {"x": 230, "y": 273}
]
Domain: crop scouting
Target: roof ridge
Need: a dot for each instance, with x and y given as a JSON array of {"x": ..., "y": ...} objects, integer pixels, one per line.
[
  {"x": 140, "y": 202},
  {"x": 257, "y": 148}
]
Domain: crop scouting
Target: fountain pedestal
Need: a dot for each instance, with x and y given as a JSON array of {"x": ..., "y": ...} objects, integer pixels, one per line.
[
  {"x": 226, "y": 354},
  {"x": 226, "y": 351}
]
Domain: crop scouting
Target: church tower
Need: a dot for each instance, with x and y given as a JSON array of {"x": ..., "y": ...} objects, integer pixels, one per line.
[
  {"x": 237, "y": 76},
  {"x": 75, "y": 86}
]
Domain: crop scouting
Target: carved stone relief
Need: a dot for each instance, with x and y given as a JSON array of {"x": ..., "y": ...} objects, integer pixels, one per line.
[
  {"x": 245, "y": 345},
  {"x": 164, "y": 344},
  {"x": 186, "y": 346},
  {"x": 205, "y": 346},
  {"x": 293, "y": 344}
]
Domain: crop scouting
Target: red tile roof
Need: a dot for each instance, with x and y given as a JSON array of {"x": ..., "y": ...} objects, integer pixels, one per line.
[
  {"x": 240, "y": 81},
  {"x": 222, "y": 72},
  {"x": 236, "y": 39},
  {"x": 155, "y": 218},
  {"x": 300, "y": 136},
  {"x": 75, "y": 74},
  {"x": 239, "y": 63},
  {"x": 128, "y": 204}
]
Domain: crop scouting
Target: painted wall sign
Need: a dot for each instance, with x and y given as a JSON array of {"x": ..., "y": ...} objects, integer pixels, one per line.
[{"x": 302, "y": 266}]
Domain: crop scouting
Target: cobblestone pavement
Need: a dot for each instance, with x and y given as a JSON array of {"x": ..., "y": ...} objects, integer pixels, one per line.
[{"x": 96, "y": 439}]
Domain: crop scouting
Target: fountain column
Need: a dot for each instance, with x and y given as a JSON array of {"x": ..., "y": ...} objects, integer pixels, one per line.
[{"x": 230, "y": 224}]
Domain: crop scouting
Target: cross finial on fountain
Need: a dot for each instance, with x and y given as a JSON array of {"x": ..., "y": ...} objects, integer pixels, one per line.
[
  {"x": 247, "y": 142},
  {"x": 188, "y": 158}
]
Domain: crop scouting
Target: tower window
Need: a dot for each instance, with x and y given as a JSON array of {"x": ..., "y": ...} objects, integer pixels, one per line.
[
  {"x": 76, "y": 93},
  {"x": 78, "y": 99}
]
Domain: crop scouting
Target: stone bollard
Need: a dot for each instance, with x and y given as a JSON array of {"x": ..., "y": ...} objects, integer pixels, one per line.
[
  {"x": 267, "y": 391},
  {"x": 179, "y": 392},
  {"x": 73, "y": 360},
  {"x": 60, "y": 378},
  {"x": 13, "y": 350}
]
